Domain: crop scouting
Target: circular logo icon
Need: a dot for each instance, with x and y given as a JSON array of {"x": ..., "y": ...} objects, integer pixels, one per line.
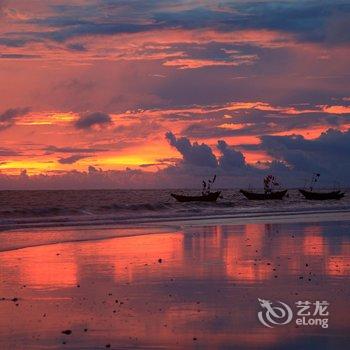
[{"x": 277, "y": 313}]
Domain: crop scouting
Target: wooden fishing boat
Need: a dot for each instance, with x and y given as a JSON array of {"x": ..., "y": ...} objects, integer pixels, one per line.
[
  {"x": 265, "y": 195},
  {"x": 208, "y": 197},
  {"x": 322, "y": 195}
]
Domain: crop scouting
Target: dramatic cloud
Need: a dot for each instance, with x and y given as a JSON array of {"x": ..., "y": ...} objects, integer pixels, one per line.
[
  {"x": 230, "y": 159},
  {"x": 294, "y": 156},
  {"x": 193, "y": 154},
  {"x": 297, "y": 159},
  {"x": 90, "y": 120},
  {"x": 329, "y": 153},
  {"x": 247, "y": 73}
]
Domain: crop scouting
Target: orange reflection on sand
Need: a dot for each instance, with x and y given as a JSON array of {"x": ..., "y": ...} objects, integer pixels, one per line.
[
  {"x": 48, "y": 270},
  {"x": 137, "y": 256},
  {"x": 241, "y": 255},
  {"x": 255, "y": 233},
  {"x": 207, "y": 245},
  {"x": 248, "y": 272},
  {"x": 338, "y": 266},
  {"x": 313, "y": 243},
  {"x": 147, "y": 251}
]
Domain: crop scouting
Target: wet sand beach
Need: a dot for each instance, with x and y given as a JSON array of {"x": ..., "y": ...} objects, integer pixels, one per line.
[{"x": 180, "y": 286}]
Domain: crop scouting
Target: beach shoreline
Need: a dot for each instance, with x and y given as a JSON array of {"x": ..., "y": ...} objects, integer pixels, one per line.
[
  {"x": 174, "y": 284},
  {"x": 234, "y": 218}
]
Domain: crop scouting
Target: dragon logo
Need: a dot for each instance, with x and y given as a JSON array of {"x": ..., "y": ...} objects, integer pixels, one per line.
[{"x": 274, "y": 315}]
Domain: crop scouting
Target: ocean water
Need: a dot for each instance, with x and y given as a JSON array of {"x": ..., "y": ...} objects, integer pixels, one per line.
[{"x": 19, "y": 209}]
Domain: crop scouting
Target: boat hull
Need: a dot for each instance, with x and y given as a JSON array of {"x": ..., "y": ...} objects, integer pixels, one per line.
[
  {"x": 211, "y": 197},
  {"x": 322, "y": 195},
  {"x": 264, "y": 196}
]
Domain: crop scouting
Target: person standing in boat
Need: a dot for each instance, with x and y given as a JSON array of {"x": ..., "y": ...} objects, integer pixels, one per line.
[
  {"x": 210, "y": 182},
  {"x": 314, "y": 179},
  {"x": 269, "y": 182},
  {"x": 206, "y": 188}
]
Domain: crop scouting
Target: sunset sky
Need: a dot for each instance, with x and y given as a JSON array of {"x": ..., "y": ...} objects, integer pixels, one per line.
[{"x": 157, "y": 93}]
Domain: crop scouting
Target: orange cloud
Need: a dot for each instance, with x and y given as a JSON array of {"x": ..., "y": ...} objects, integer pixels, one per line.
[{"x": 336, "y": 109}]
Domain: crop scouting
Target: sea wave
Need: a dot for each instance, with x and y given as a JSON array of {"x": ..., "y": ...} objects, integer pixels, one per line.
[{"x": 20, "y": 209}]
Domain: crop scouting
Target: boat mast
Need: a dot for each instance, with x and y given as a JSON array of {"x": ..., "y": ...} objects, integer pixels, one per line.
[{"x": 314, "y": 179}]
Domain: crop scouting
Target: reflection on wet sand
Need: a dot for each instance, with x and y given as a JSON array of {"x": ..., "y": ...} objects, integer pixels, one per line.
[{"x": 197, "y": 287}]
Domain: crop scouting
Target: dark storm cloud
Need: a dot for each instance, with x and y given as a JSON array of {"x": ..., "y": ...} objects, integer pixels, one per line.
[
  {"x": 90, "y": 120},
  {"x": 72, "y": 159},
  {"x": 193, "y": 154},
  {"x": 230, "y": 158},
  {"x": 196, "y": 155},
  {"x": 330, "y": 142},
  {"x": 329, "y": 152},
  {"x": 293, "y": 156},
  {"x": 8, "y": 118}
]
